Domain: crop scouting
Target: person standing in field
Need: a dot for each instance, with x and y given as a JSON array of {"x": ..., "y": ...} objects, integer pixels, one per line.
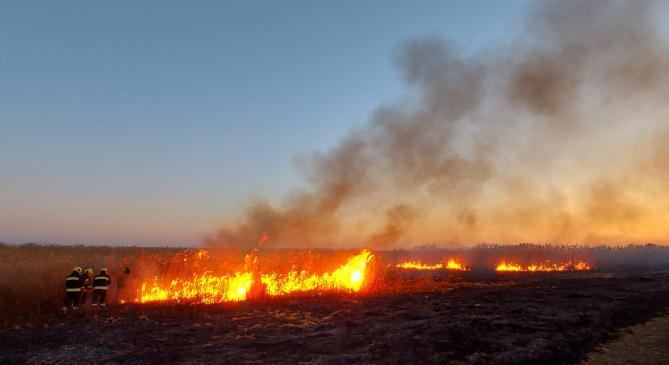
[
  {"x": 86, "y": 285},
  {"x": 100, "y": 287},
  {"x": 73, "y": 284},
  {"x": 121, "y": 284}
]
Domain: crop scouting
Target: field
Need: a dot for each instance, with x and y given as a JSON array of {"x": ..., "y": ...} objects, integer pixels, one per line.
[{"x": 478, "y": 316}]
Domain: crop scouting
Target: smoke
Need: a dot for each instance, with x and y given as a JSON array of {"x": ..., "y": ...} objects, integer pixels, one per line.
[{"x": 559, "y": 136}]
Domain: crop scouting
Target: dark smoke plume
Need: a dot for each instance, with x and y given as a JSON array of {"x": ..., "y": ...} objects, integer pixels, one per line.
[{"x": 560, "y": 136}]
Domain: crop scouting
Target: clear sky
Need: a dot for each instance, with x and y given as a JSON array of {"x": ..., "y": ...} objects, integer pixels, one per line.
[{"x": 151, "y": 122}]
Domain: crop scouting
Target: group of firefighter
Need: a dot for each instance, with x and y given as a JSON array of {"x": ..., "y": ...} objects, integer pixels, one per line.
[{"x": 80, "y": 285}]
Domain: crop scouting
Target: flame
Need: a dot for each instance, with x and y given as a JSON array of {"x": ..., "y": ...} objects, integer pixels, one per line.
[
  {"x": 577, "y": 265},
  {"x": 451, "y": 264},
  {"x": 503, "y": 266},
  {"x": 348, "y": 277},
  {"x": 455, "y": 265},
  {"x": 191, "y": 281},
  {"x": 581, "y": 266},
  {"x": 208, "y": 288},
  {"x": 419, "y": 266}
]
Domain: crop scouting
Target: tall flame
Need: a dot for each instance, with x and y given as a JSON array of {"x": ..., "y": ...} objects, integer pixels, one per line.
[{"x": 209, "y": 288}]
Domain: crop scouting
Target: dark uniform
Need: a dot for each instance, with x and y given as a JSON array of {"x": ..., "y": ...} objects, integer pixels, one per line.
[
  {"x": 100, "y": 287},
  {"x": 86, "y": 285},
  {"x": 73, "y": 285}
]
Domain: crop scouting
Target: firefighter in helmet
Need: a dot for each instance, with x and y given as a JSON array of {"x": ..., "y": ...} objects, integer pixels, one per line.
[
  {"x": 86, "y": 285},
  {"x": 73, "y": 284},
  {"x": 100, "y": 287}
]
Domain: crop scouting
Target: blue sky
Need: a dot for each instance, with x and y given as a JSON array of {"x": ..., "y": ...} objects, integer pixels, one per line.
[{"x": 154, "y": 122}]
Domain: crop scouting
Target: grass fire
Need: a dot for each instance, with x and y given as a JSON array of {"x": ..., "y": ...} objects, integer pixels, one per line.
[
  {"x": 357, "y": 299},
  {"x": 450, "y": 264},
  {"x": 206, "y": 287},
  {"x": 334, "y": 182},
  {"x": 577, "y": 265}
]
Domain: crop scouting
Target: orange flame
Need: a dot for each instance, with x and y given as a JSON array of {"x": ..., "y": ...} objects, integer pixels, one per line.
[
  {"x": 455, "y": 265},
  {"x": 503, "y": 266},
  {"x": 577, "y": 265},
  {"x": 348, "y": 277},
  {"x": 419, "y": 266},
  {"x": 451, "y": 264},
  {"x": 208, "y": 288}
]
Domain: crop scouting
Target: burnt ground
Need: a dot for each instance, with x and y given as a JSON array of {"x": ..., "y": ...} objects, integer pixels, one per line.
[{"x": 517, "y": 318}]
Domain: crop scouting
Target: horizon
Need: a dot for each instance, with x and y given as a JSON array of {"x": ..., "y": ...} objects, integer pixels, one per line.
[{"x": 419, "y": 247}]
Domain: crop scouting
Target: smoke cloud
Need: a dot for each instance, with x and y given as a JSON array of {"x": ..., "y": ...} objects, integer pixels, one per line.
[{"x": 560, "y": 136}]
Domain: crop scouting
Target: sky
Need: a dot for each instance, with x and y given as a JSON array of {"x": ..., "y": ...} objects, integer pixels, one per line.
[{"x": 153, "y": 122}]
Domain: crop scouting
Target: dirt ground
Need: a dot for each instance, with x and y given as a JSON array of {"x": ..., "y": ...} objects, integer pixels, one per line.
[
  {"x": 642, "y": 344},
  {"x": 504, "y": 319}
]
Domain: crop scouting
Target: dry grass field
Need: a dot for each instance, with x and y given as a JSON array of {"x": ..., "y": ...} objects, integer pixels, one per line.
[
  {"x": 434, "y": 316},
  {"x": 510, "y": 319},
  {"x": 31, "y": 276}
]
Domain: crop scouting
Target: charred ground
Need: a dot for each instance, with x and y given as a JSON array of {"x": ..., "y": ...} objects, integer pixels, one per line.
[{"x": 464, "y": 318}]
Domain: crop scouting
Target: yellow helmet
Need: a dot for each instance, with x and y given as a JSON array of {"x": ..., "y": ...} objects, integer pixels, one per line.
[
  {"x": 77, "y": 269},
  {"x": 104, "y": 269},
  {"x": 89, "y": 271}
]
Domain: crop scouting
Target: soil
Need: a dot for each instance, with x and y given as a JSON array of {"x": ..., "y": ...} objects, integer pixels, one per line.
[
  {"x": 641, "y": 344},
  {"x": 521, "y": 318}
]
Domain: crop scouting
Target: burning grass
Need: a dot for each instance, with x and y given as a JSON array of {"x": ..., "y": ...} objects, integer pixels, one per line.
[
  {"x": 419, "y": 266},
  {"x": 547, "y": 266},
  {"x": 208, "y": 288},
  {"x": 451, "y": 264}
]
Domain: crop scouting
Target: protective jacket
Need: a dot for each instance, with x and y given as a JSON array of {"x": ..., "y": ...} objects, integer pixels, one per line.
[
  {"x": 73, "y": 282},
  {"x": 101, "y": 282}
]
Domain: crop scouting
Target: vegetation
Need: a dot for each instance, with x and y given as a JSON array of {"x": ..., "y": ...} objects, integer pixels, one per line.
[{"x": 31, "y": 275}]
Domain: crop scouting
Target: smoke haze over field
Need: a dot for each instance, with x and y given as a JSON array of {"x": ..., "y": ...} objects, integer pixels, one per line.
[{"x": 560, "y": 136}]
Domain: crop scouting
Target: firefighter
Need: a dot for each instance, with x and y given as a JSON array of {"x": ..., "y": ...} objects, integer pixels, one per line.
[
  {"x": 100, "y": 287},
  {"x": 121, "y": 285},
  {"x": 73, "y": 285},
  {"x": 86, "y": 285}
]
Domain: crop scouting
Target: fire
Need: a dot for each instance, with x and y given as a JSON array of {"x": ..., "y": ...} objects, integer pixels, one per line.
[
  {"x": 581, "y": 266},
  {"x": 188, "y": 278},
  {"x": 503, "y": 266},
  {"x": 455, "y": 265},
  {"x": 208, "y": 288},
  {"x": 419, "y": 266},
  {"x": 577, "y": 265},
  {"x": 348, "y": 277},
  {"x": 451, "y": 264}
]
